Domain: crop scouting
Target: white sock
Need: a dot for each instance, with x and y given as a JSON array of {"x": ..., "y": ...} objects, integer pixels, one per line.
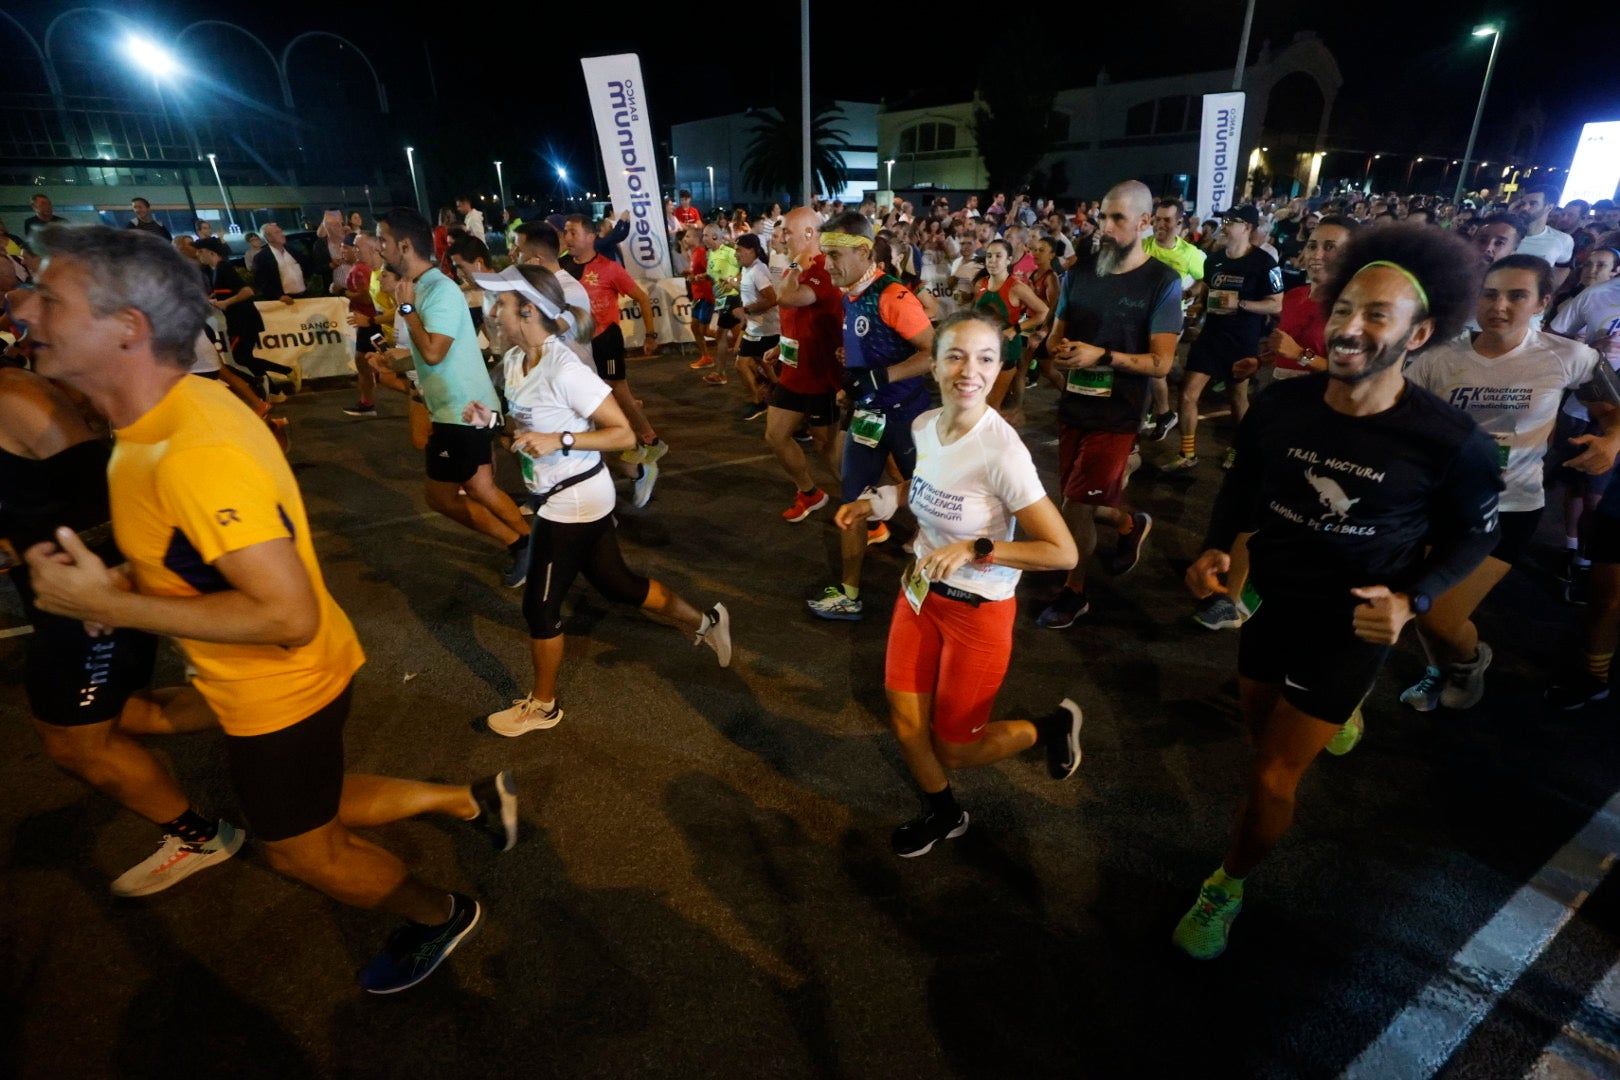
[{"x": 1572, "y": 543}]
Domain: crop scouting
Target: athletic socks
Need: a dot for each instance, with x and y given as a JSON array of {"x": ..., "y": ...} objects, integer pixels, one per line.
[
  {"x": 851, "y": 591},
  {"x": 192, "y": 827},
  {"x": 1597, "y": 665},
  {"x": 942, "y": 804},
  {"x": 1189, "y": 445},
  {"x": 1127, "y": 524},
  {"x": 1232, "y": 886}
]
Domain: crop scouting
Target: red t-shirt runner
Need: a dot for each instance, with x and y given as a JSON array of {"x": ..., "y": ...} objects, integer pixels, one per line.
[
  {"x": 812, "y": 335},
  {"x": 1304, "y": 320},
  {"x": 605, "y": 281}
]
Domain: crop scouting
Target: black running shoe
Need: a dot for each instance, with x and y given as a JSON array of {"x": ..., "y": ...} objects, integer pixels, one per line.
[
  {"x": 1124, "y": 557},
  {"x": 918, "y": 836},
  {"x": 414, "y": 951}
]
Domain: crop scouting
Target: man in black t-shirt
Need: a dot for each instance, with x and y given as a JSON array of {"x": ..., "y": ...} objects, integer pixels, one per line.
[
  {"x": 1363, "y": 497},
  {"x": 144, "y": 221},
  {"x": 1245, "y": 287},
  {"x": 1116, "y": 328},
  {"x": 44, "y": 214}
]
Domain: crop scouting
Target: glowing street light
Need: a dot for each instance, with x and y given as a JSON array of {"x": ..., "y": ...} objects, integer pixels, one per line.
[
  {"x": 500, "y": 182},
  {"x": 889, "y": 162},
  {"x": 151, "y": 57},
  {"x": 410, "y": 163},
  {"x": 713, "y": 199},
  {"x": 1495, "y": 34}
]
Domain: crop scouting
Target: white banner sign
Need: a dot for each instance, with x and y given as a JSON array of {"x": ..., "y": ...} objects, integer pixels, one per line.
[
  {"x": 672, "y": 314},
  {"x": 630, "y": 159},
  {"x": 313, "y": 335},
  {"x": 1220, "y": 168}
]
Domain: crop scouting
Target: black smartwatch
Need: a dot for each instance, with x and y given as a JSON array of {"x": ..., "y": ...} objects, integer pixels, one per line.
[
  {"x": 983, "y": 549},
  {"x": 1107, "y": 359},
  {"x": 567, "y": 441},
  {"x": 407, "y": 309},
  {"x": 1420, "y": 602}
]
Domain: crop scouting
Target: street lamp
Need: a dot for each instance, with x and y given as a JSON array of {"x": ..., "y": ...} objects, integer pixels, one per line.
[
  {"x": 713, "y": 199},
  {"x": 889, "y": 184},
  {"x": 500, "y": 181},
  {"x": 1495, "y": 34},
  {"x": 410, "y": 163},
  {"x": 158, "y": 62}
]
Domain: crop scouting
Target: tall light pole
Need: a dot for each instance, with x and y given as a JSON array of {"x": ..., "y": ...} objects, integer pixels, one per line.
[
  {"x": 889, "y": 183},
  {"x": 410, "y": 163},
  {"x": 500, "y": 182},
  {"x": 1473, "y": 132},
  {"x": 230, "y": 214},
  {"x": 159, "y": 62},
  {"x": 804, "y": 100},
  {"x": 714, "y": 200},
  {"x": 1243, "y": 47}
]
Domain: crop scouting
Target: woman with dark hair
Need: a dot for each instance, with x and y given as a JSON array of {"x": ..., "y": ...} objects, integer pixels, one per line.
[
  {"x": 1020, "y": 311},
  {"x": 1511, "y": 379},
  {"x": 950, "y": 638},
  {"x": 762, "y": 327},
  {"x": 565, "y": 419}
]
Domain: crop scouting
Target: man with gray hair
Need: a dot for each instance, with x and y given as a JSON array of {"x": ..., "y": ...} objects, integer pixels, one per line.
[
  {"x": 1118, "y": 320},
  {"x": 207, "y": 513},
  {"x": 277, "y": 273}
]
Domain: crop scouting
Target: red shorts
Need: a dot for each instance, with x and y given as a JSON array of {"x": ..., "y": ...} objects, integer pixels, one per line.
[
  {"x": 1092, "y": 464},
  {"x": 955, "y": 652}
]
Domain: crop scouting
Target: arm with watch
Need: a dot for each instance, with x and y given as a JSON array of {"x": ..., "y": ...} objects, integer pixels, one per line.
[
  {"x": 1069, "y": 355},
  {"x": 431, "y": 347},
  {"x": 1050, "y": 545}
]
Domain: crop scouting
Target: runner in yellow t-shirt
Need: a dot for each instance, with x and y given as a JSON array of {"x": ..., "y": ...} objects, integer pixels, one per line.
[{"x": 206, "y": 510}]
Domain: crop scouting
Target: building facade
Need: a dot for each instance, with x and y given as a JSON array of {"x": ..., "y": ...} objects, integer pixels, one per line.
[{"x": 721, "y": 143}]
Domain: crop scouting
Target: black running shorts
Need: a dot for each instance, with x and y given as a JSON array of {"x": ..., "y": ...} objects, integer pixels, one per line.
[
  {"x": 821, "y": 410},
  {"x": 73, "y": 679},
  {"x": 1602, "y": 537},
  {"x": 454, "y": 452},
  {"x": 1514, "y": 531},
  {"x": 1310, "y": 649},
  {"x": 607, "y": 349},
  {"x": 291, "y": 781},
  {"x": 757, "y": 347}
]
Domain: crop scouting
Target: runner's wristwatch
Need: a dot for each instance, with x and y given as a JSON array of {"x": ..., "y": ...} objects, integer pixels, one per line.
[
  {"x": 984, "y": 550},
  {"x": 567, "y": 440},
  {"x": 407, "y": 309}
]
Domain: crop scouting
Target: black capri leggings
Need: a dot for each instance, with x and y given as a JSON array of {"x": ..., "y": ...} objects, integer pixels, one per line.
[{"x": 558, "y": 552}]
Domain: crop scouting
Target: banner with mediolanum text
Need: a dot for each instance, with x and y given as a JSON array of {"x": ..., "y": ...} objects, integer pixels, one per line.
[
  {"x": 629, "y": 158},
  {"x": 1220, "y": 168},
  {"x": 314, "y": 335}
]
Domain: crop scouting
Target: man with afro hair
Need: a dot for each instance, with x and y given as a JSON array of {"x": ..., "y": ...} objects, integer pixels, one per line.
[{"x": 1363, "y": 497}]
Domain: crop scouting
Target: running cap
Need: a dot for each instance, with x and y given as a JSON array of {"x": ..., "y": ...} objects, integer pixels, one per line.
[
  {"x": 1242, "y": 213},
  {"x": 512, "y": 280}
]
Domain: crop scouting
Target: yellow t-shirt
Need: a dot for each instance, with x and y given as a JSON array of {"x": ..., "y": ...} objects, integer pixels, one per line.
[{"x": 199, "y": 476}]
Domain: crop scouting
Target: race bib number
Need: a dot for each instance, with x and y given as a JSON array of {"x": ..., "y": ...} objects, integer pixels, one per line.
[
  {"x": 1501, "y": 457},
  {"x": 790, "y": 351},
  {"x": 914, "y": 584},
  {"x": 1223, "y": 300},
  {"x": 866, "y": 426},
  {"x": 1091, "y": 382},
  {"x": 526, "y": 466}
]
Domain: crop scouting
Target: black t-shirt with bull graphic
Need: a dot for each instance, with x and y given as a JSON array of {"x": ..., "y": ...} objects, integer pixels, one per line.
[{"x": 1337, "y": 502}]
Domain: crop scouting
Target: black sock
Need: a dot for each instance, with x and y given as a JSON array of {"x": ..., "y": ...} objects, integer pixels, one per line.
[
  {"x": 942, "y": 804},
  {"x": 192, "y": 827},
  {"x": 516, "y": 547}
]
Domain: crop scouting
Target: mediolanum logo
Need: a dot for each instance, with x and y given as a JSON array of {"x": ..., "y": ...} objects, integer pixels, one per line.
[{"x": 646, "y": 241}]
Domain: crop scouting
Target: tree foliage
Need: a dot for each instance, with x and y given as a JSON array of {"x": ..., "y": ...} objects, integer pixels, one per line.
[
  {"x": 775, "y": 152},
  {"x": 1012, "y": 117}
]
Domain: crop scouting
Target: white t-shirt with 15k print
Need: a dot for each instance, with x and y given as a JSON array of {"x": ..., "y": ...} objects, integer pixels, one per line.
[
  {"x": 969, "y": 489},
  {"x": 1513, "y": 398}
]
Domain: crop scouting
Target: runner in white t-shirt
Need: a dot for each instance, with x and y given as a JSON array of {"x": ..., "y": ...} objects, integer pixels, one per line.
[
  {"x": 763, "y": 329},
  {"x": 950, "y": 639},
  {"x": 1510, "y": 379},
  {"x": 1536, "y": 201},
  {"x": 565, "y": 418}
]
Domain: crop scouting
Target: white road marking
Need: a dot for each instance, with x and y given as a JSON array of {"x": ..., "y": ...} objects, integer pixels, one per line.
[
  {"x": 1589, "y": 1045},
  {"x": 1442, "y": 1016},
  {"x": 15, "y": 631}
]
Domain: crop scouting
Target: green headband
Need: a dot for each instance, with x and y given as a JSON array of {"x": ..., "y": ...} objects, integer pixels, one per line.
[{"x": 1411, "y": 279}]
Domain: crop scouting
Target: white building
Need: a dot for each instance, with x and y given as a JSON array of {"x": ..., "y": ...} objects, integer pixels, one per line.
[{"x": 721, "y": 143}]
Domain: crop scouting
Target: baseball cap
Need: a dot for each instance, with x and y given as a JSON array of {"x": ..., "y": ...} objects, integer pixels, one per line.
[
  {"x": 214, "y": 244},
  {"x": 1246, "y": 214}
]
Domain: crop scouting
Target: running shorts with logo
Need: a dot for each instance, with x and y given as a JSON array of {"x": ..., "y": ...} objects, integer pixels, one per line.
[
  {"x": 455, "y": 452},
  {"x": 1311, "y": 651},
  {"x": 958, "y": 652},
  {"x": 1092, "y": 464}
]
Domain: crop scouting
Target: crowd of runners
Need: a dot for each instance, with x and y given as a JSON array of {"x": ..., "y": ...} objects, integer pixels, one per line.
[{"x": 1410, "y": 379}]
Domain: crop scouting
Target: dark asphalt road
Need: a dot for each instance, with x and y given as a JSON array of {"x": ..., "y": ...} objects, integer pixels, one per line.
[{"x": 704, "y": 886}]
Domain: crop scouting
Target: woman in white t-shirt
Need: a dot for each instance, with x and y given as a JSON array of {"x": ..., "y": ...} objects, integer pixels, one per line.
[
  {"x": 1510, "y": 378},
  {"x": 564, "y": 418},
  {"x": 763, "y": 328},
  {"x": 950, "y": 639}
]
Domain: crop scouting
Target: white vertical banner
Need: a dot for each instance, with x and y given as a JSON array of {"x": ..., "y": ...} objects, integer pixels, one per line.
[
  {"x": 629, "y": 158},
  {"x": 1220, "y": 166}
]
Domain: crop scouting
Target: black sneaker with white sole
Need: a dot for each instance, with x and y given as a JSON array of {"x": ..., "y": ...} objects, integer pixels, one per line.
[
  {"x": 1061, "y": 733},
  {"x": 497, "y": 802},
  {"x": 919, "y": 835}
]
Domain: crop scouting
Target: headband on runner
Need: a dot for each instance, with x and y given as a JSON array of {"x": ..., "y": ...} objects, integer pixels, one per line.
[
  {"x": 840, "y": 239},
  {"x": 1411, "y": 279}
]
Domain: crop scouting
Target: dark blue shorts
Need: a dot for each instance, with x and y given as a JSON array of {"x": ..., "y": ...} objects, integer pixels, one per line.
[{"x": 864, "y": 465}]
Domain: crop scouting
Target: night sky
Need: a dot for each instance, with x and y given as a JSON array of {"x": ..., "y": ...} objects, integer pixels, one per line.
[{"x": 1412, "y": 72}]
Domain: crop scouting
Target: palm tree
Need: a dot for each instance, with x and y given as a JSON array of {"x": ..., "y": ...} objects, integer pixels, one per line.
[{"x": 775, "y": 153}]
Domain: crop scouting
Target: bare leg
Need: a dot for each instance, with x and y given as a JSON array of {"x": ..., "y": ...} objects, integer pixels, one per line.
[
  {"x": 909, "y": 718},
  {"x": 1161, "y": 395},
  {"x": 445, "y": 498},
  {"x": 1289, "y": 741},
  {"x": 669, "y": 608},
  {"x": 632, "y": 412},
  {"x": 852, "y": 552},
  {"x": 378, "y": 800},
  {"x": 367, "y": 380},
  {"x": 357, "y": 872},
  {"x": 1002, "y": 739},
  {"x": 172, "y": 710},
  {"x": 780, "y": 424},
  {"x": 547, "y": 654},
  {"x": 117, "y": 766},
  {"x": 1192, "y": 388},
  {"x": 1448, "y": 630},
  {"x": 481, "y": 487}
]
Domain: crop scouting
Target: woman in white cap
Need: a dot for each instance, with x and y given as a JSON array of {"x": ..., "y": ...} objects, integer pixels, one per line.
[{"x": 564, "y": 419}]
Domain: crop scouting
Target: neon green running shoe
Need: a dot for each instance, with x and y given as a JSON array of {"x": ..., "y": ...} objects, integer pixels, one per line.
[
  {"x": 1201, "y": 933},
  {"x": 1347, "y": 738}
]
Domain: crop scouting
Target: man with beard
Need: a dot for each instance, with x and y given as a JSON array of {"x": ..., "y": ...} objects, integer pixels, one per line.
[
  {"x": 1116, "y": 328},
  {"x": 1366, "y": 497},
  {"x": 1537, "y": 202},
  {"x": 1245, "y": 287}
]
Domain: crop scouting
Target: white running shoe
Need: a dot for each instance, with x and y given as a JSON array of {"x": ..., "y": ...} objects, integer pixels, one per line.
[
  {"x": 645, "y": 480},
  {"x": 177, "y": 859},
  {"x": 718, "y": 635},
  {"x": 524, "y": 716},
  {"x": 1465, "y": 683}
]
